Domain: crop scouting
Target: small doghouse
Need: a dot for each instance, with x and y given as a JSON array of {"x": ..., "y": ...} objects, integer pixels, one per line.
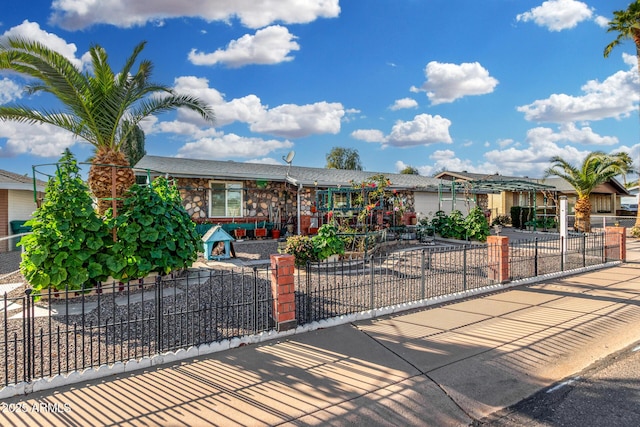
[{"x": 217, "y": 244}]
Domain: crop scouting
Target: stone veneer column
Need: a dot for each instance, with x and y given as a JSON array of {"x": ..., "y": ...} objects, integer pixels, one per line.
[
  {"x": 283, "y": 291},
  {"x": 616, "y": 243},
  {"x": 498, "y": 258}
]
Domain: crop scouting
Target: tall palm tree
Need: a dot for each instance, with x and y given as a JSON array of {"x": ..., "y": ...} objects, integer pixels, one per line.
[
  {"x": 627, "y": 24},
  {"x": 100, "y": 106},
  {"x": 597, "y": 168}
]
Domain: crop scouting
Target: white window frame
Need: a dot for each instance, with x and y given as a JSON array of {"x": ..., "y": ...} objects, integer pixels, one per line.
[{"x": 229, "y": 186}]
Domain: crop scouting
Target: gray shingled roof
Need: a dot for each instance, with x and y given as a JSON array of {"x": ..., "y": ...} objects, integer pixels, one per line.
[
  {"x": 14, "y": 181},
  {"x": 215, "y": 169}
]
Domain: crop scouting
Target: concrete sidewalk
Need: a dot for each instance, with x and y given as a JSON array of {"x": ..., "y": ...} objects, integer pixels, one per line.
[{"x": 441, "y": 366}]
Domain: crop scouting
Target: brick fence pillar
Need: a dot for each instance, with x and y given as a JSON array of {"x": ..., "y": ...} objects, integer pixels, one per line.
[
  {"x": 616, "y": 243},
  {"x": 283, "y": 292},
  {"x": 498, "y": 258}
]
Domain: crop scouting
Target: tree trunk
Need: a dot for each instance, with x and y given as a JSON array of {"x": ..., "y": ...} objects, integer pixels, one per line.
[
  {"x": 583, "y": 215},
  {"x": 105, "y": 165}
]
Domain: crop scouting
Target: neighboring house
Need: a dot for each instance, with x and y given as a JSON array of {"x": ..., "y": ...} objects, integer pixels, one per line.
[
  {"x": 509, "y": 191},
  {"x": 17, "y": 201},
  {"x": 227, "y": 191}
]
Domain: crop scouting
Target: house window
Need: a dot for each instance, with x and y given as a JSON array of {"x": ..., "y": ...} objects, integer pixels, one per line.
[
  {"x": 225, "y": 200},
  {"x": 601, "y": 203}
]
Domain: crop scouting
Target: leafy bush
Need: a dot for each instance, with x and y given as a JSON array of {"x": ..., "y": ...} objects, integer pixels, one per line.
[
  {"x": 301, "y": 248},
  {"x": 438, "y": 221},
  {"x": 501, "y": 220},
  {"x": 69, "y": 245},
  {"x": 476, "y": 225},
  {"x": 327, "y": 242},
  {"x": 454, "y": 226},
  {"x": 155, "y": 233}
]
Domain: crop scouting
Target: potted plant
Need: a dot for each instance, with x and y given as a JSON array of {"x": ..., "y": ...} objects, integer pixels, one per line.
[
  {"x": 262, "y": 231},
  {"x": 327, "y": 243}
]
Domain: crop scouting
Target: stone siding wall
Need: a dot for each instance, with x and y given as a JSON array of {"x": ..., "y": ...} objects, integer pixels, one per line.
[{"x": 279, "y": 196}]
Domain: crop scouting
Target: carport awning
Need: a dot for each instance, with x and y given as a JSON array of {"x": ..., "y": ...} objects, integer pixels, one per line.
[{"x": 509, "y": 185}]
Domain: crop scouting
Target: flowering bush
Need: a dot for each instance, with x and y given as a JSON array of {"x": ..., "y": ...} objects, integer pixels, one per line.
[{"x": 301, "y": 247}]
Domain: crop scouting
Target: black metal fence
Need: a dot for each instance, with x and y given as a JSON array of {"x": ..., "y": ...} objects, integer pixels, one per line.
[
  {"x": 61, "y": 332},
  {"x": 345, "y": 287},
  {"x": 57, "y": 333}
]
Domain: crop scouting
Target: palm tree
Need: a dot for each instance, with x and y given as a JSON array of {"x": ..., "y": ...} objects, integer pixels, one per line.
[
  {"x": 100, "y": 106},
  {"x": 597, "y": 168},
  {"x": 627, "y": 24}
]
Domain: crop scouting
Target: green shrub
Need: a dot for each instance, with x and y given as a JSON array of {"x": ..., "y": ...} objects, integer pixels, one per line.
[
  {"x": 501, "y": 220},
  {"x": 69, "y": 244},
  {"x": 327, "y": 242},
  {"x": 476, "y": 225},
  {"x": 301, "y": 248},
  {"x": 155, "y": 233}
]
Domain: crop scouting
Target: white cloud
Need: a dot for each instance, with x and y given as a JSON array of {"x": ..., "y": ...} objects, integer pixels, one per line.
[
  {"x": 78, "y": 14},
  {"x": 557, "y": 15},
  {"x": 288, "y": 120},
  {"x": 230, "y": 145},
  {"x": 32, "y": 31},
  {"x": 9, "y": 91},
  {"x": 448, "y": 82},
  {"x": 404, "y": 103},
  {"x": 615, "y": 97},
  {"x": 265, "y": 161},
  {"x": 424, "y": 129},
  {"x": 601, "y": 21},
  {"x": 270, "y": 45},
  {"x": 296, "y": 121},
  {"x": 34, "y": 139},
  {"x": 369, "y": 135},
  {"x": 534, "y": 159}
]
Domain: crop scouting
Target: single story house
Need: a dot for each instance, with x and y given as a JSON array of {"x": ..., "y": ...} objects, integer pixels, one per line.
[
  {"x": 222, "y": 192},
  {"x": 542, "y": 194},
  {"x": 17, "y": 201}
]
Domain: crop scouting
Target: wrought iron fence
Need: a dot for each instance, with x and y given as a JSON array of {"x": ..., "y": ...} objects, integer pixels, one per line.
[
  {"x": 57, "y": 333},
  {"x": 344, "y": 287},
  {"x": 61, "y": 332}
]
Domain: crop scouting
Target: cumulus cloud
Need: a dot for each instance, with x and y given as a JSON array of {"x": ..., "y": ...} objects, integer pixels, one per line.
[
  {"x": 448, "y": 82},
  {"x": 9, "y": 91},
  {"x": 296, "y": 121},
  {"x": 424, "y": 129},
  {"x": 601, "y": 21},
  {"x": 265, "y": 161},
  {"x": 615, "y": 97},
  {"x": 231, "y": 145},
  {"x": 270, "y": 45},
  {"x": 557, "y": 15},
  {"x": 369, "y": 135},
  {"x": 404, "y": 103},
  {"x": 34, "y": 139},
  {"x": 287, "y": 120},
  {"x": 79, "y": 14},
  {"x": 542, "y": 145},
  {"x": 32, "y": 31}
]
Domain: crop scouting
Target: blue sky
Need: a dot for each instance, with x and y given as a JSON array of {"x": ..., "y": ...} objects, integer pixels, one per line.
[{"x": 483, "y": 86}]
